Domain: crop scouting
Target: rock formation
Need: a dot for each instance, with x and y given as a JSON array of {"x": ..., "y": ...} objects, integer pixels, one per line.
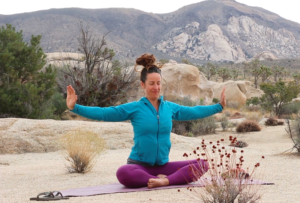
[
  {"x": 208, "y": 45},
  {"x": 178, "y": 81},
  {"x": 236, "y": 91}
]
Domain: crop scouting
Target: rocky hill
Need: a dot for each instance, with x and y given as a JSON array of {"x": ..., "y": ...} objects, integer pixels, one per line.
[{"x": 216, "y": 30}]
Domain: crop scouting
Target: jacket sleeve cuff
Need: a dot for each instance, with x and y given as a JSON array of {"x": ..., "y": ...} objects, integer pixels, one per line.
[
  {"x": 221, "y": 105},
  {"x": 75, "y": 109}
]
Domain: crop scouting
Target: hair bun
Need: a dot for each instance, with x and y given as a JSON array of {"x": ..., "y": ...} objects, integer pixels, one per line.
[{"x": 146, "y": 60}]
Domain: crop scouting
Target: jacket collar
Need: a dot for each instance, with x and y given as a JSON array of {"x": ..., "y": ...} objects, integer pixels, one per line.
[{"x": 145, "y": 100}]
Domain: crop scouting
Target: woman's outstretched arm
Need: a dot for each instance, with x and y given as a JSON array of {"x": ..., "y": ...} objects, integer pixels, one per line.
[
  {"x": 196, "y": 112},
  {"x": 115, "y": 113}
]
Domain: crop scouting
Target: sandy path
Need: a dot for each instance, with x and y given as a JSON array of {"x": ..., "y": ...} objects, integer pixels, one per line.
[{"x": 32, "y": 173}]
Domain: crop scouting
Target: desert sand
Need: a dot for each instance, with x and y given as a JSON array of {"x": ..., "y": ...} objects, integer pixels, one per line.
[{"x": 25, "y": 175}]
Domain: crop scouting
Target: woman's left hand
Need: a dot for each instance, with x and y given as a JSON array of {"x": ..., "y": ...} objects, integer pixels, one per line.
[{"x": 223, "y": 101}]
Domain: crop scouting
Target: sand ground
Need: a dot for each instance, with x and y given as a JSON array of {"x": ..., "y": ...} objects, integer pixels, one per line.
[{"x": 25, "y": 175}]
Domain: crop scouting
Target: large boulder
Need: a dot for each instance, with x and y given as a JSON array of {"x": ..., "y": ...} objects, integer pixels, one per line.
[
  {"x": 182, "y": 80},
  {"x": 236, "y": 91},
  {"x": 296, "y": 99},
  {"x": 178, "y": 81}
]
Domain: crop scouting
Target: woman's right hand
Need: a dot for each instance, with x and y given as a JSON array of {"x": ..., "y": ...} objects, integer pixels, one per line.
[{"x": 71, "y": 97}]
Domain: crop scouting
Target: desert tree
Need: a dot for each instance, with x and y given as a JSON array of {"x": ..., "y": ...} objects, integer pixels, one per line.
[
  {"x": 26, "y": 83},
  {"x": 265, "y": 73},
  {"x": 101, "y": 81},
  {"x": 210, "y": 70},
  {"x": 235, "y": 73},
  {"x": 255, "y": 71},
  {"x": 277, "y": 72},
  {"x": 163, "y": 61},
  {"x": 278, "y": 95},
  {"x": 185, "y": 61},
  {"x": 245, "y": 69},
  {"x": 224, "y": 73},
  {"x": 296, "y": 77}
]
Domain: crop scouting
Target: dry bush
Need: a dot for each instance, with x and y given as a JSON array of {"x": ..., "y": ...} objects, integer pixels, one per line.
[
  {"x": 280, "y": 123},
  {"x": 225, "y": 181},
  {"x": 81, "y": 149},
  {"x": 252, "y": 108},
  {"x": 248, "y": 126},
  {"x": 271, "y": 122},
  {"x": 236, "y": 115},
  {"x": 293, "y": 129},
  {"x": 254, "y": 116}
]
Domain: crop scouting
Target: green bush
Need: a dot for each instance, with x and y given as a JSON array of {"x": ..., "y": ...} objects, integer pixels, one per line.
[
  {"x": 278, "y": 95},
  {"x": 26, "y": 85},
  {"x": 291, "y": 108},
  {"x": 215, "y": 100},
  {"x": 204, "y": 126},
  {"x": 59, "y": 104},
  {"x": 253, "y": 101}
]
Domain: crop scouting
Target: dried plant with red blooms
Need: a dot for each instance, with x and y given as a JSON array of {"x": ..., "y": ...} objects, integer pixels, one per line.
[{"x": 226, "y": 180}]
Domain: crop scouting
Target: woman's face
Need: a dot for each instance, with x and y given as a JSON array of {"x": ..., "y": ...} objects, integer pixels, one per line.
[{"x": 152, "y": 85}]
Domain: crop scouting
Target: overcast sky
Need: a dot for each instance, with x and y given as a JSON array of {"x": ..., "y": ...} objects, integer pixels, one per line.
[{"x": 285, "y": 8}]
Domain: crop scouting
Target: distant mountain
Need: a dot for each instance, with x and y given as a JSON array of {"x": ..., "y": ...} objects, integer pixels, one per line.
[{"x": 217, "y": 30}]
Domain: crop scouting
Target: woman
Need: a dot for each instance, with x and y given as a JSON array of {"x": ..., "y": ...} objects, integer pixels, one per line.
[{"x": 148, "y": 163}]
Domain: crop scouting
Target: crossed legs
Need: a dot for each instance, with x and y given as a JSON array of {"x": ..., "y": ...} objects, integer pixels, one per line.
[{"x": 177, "y": 173}]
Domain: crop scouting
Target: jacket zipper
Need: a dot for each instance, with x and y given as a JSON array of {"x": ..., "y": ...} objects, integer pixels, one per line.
[
  {"x": 157, "y": 136},
  {"x": 157, "y": 116}
]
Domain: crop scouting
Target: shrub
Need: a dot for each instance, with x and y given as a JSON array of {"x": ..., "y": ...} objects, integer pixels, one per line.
[
  {"x": 291, "y": 108},
  {"x": 280, "y": 123},
  {"x": 236, "y": 115},
  {"x": 215, "y": 100},
  {"x": 293, "y": 129},
  {"x": 59, "y": 104},
  {"x": 204, "y": 126},
  {"x": 252, "y": 101},
  {"x": 271, "y": 122},
  {"x": 81, "y": 149},
  {"x": 196, "y": 127},
  {"x": 224, "y": 122},
  {"x": 225, "y": 181},
  {"x": 254, "y": 116},
  {"x": 253, "y": 108},
  {"x": 248, "y": 126}
]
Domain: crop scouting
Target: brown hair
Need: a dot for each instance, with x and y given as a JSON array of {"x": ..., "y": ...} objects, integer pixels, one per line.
[{"x": 150, "y": 66}]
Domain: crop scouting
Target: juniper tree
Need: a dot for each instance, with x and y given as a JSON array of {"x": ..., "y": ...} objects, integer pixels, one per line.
[{"x": 25, "y": 89}]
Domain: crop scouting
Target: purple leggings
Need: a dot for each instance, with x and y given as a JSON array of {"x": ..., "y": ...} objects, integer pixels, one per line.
[{"x": 178, "y": 173}]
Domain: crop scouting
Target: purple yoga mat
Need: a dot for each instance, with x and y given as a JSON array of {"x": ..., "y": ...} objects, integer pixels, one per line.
[{"x": 119, "y": 188}]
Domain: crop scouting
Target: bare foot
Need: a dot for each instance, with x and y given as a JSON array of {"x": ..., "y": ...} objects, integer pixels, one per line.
[
  {"x": 161, "y": 176},
  {"x": 158, "y": 182}
]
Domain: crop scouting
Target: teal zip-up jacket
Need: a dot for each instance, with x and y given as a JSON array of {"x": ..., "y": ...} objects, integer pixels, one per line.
[{"x": 151, "y": 129}]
